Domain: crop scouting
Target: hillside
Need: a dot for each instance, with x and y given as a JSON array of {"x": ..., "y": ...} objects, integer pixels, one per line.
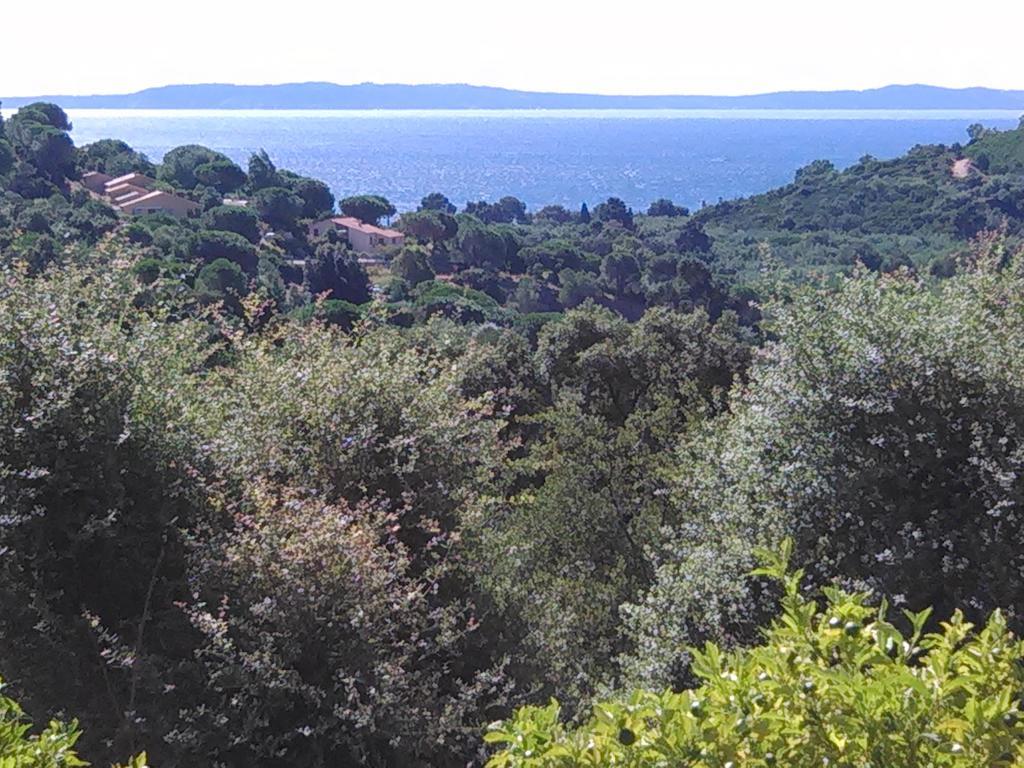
[
  {"x": 999, "y": 151},
  {"x": 918, "y": 209},
  {"x": 274, "y": 499},
  {"x": 321, "y": 95}
]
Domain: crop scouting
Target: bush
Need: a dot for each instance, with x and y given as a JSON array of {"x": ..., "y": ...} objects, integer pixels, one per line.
[
  {"x": 884, "y": 431},
  {"x": 222, "y": 281},
  {"x": 98, "y": 487},
  {"x": 51, "y": 748},
  {"x": 279, "y": 207},
  {"x": 838, "y": 685},
  {"x": 334, "y": 647},
  {"x": 436, "y": 298},
  {"x": 151, "y": 512},
  {"x": 181, "y": 164},
  {"x": 233, "y": 218},
  {"x": 212, "y": 244},
  {"x": 343, "y": 314}
]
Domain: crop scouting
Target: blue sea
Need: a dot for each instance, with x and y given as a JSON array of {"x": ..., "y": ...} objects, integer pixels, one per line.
[{"x": 541, "y": 156}]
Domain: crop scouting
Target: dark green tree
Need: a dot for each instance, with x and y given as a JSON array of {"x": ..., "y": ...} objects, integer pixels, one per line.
[
  {"x": 435, "y": 201},
  {"x": 179, "y": 165},
  {"x": 279, "y": 207},
  {"x": 481, "y": 245},
  {"x": 692, "y": 237},
  {"x": 262, "y": 171},
  {"x": 429, "y": 226},
  {"x": 558, "y": 214},
  {"x": 613, "y": 209},
  {"x": 211, "y": 245},
  {"x": 222, "y": 174},
  {"x": 6, "y": 157},
  {"x": 241, "y": 220},
  {"x": 333, "y": 269},
  {"x": 577, "y": 287},
  {"x": 317, "y": 198},
  {"x": 620, "y": 273},
  {"x": 367, "y": 208},
  {"x": 412, "y": 264},
  {"x": 665, "y": 207},
  {"x": 115, "y": 158},
  {"x": 222, "y": 281},
  {"x": 39, "y": 136}
]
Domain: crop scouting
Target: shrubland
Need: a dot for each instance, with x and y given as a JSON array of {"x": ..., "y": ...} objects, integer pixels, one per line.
[
  {"x": 261, "y": 506},
  {"x": 832, "y": 683}
]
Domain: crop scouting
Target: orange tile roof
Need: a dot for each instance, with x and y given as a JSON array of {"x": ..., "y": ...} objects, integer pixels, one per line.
[
  {"x": 156, "y": 193},
  {"x": 350, "y": 222}
]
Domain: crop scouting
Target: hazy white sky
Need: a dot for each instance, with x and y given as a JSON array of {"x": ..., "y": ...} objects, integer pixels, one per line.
[{"x": 602, "y": 46}]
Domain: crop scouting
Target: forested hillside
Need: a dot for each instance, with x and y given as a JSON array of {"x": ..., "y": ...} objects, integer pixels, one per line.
[{"x": 270, "y": 501}]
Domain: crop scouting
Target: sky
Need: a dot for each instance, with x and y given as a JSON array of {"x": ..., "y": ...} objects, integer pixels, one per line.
[{"x": 600, "y": 46}]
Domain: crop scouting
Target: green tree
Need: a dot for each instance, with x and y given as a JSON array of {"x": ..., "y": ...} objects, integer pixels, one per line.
[
  {"x": 620, "y": 272},
  {"x": 429, "y": 225},
  {"x": 613, "y": 209},
  {"x": 412, "y": 264},
  {"x": 435, "y": 201},
  {"x": 278, "y": 207},
  {"x": 222, "y": 281},
  {"x": 115, "y": 158},
  {"x": 180, "y": 164},
  {"x": 317, "y": 198},
  {"x": 692, "y": 237},
  {"x": 505, "y": 211},
  {"x": 665, "y": 207},
  {"x": 38, "y": 134},
  {"x": 333, "y": 269},
  {"x": 576, "y": 287},
  {"x": 241, "y": 220},
  {"x": 481, "y": 245},
  {"x": 558, "y": 214},
  {"x": 6, "y": 157},
  {"x": 222, "y": 174},
  {"x": 211, "y": 245},
  {"x": 882, "y": 431},
  {"x": 262, "y": 171},
  {"x": 368, "y": 208},
  {"x": 44, "y": 113}
]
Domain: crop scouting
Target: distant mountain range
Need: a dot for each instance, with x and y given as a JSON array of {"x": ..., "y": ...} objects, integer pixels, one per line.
[{"x": 377, "y": 96}]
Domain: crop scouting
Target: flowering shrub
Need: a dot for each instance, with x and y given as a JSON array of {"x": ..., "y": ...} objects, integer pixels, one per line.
[
  {"x": 238, "y": 546},
  {"x": 96, "y": 485},
  {"x": 326, "y": 641},
  {"x": 836, "y": 685},
  {"x": 883, "y": 431}
]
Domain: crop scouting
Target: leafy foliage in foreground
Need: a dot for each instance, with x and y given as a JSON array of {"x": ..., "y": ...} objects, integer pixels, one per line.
[
  {"x": 833, "y": 685},
  {"x": 53, "y": 747}
]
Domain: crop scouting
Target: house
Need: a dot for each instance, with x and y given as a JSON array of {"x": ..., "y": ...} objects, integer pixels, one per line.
[
  {"x": 122, "y": 193},
  {"x": 364, "y": 238},
  {"x": 128, "y": 187},
  {"x": 158, "y": 201},
  {"x": 135, "y": 194},
  {"x": 131, "y": 179},
  {"x": 95, "y": 181}
]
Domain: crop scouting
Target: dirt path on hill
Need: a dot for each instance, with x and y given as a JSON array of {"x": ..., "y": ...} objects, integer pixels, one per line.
[{"x": 961, "y": 168}]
